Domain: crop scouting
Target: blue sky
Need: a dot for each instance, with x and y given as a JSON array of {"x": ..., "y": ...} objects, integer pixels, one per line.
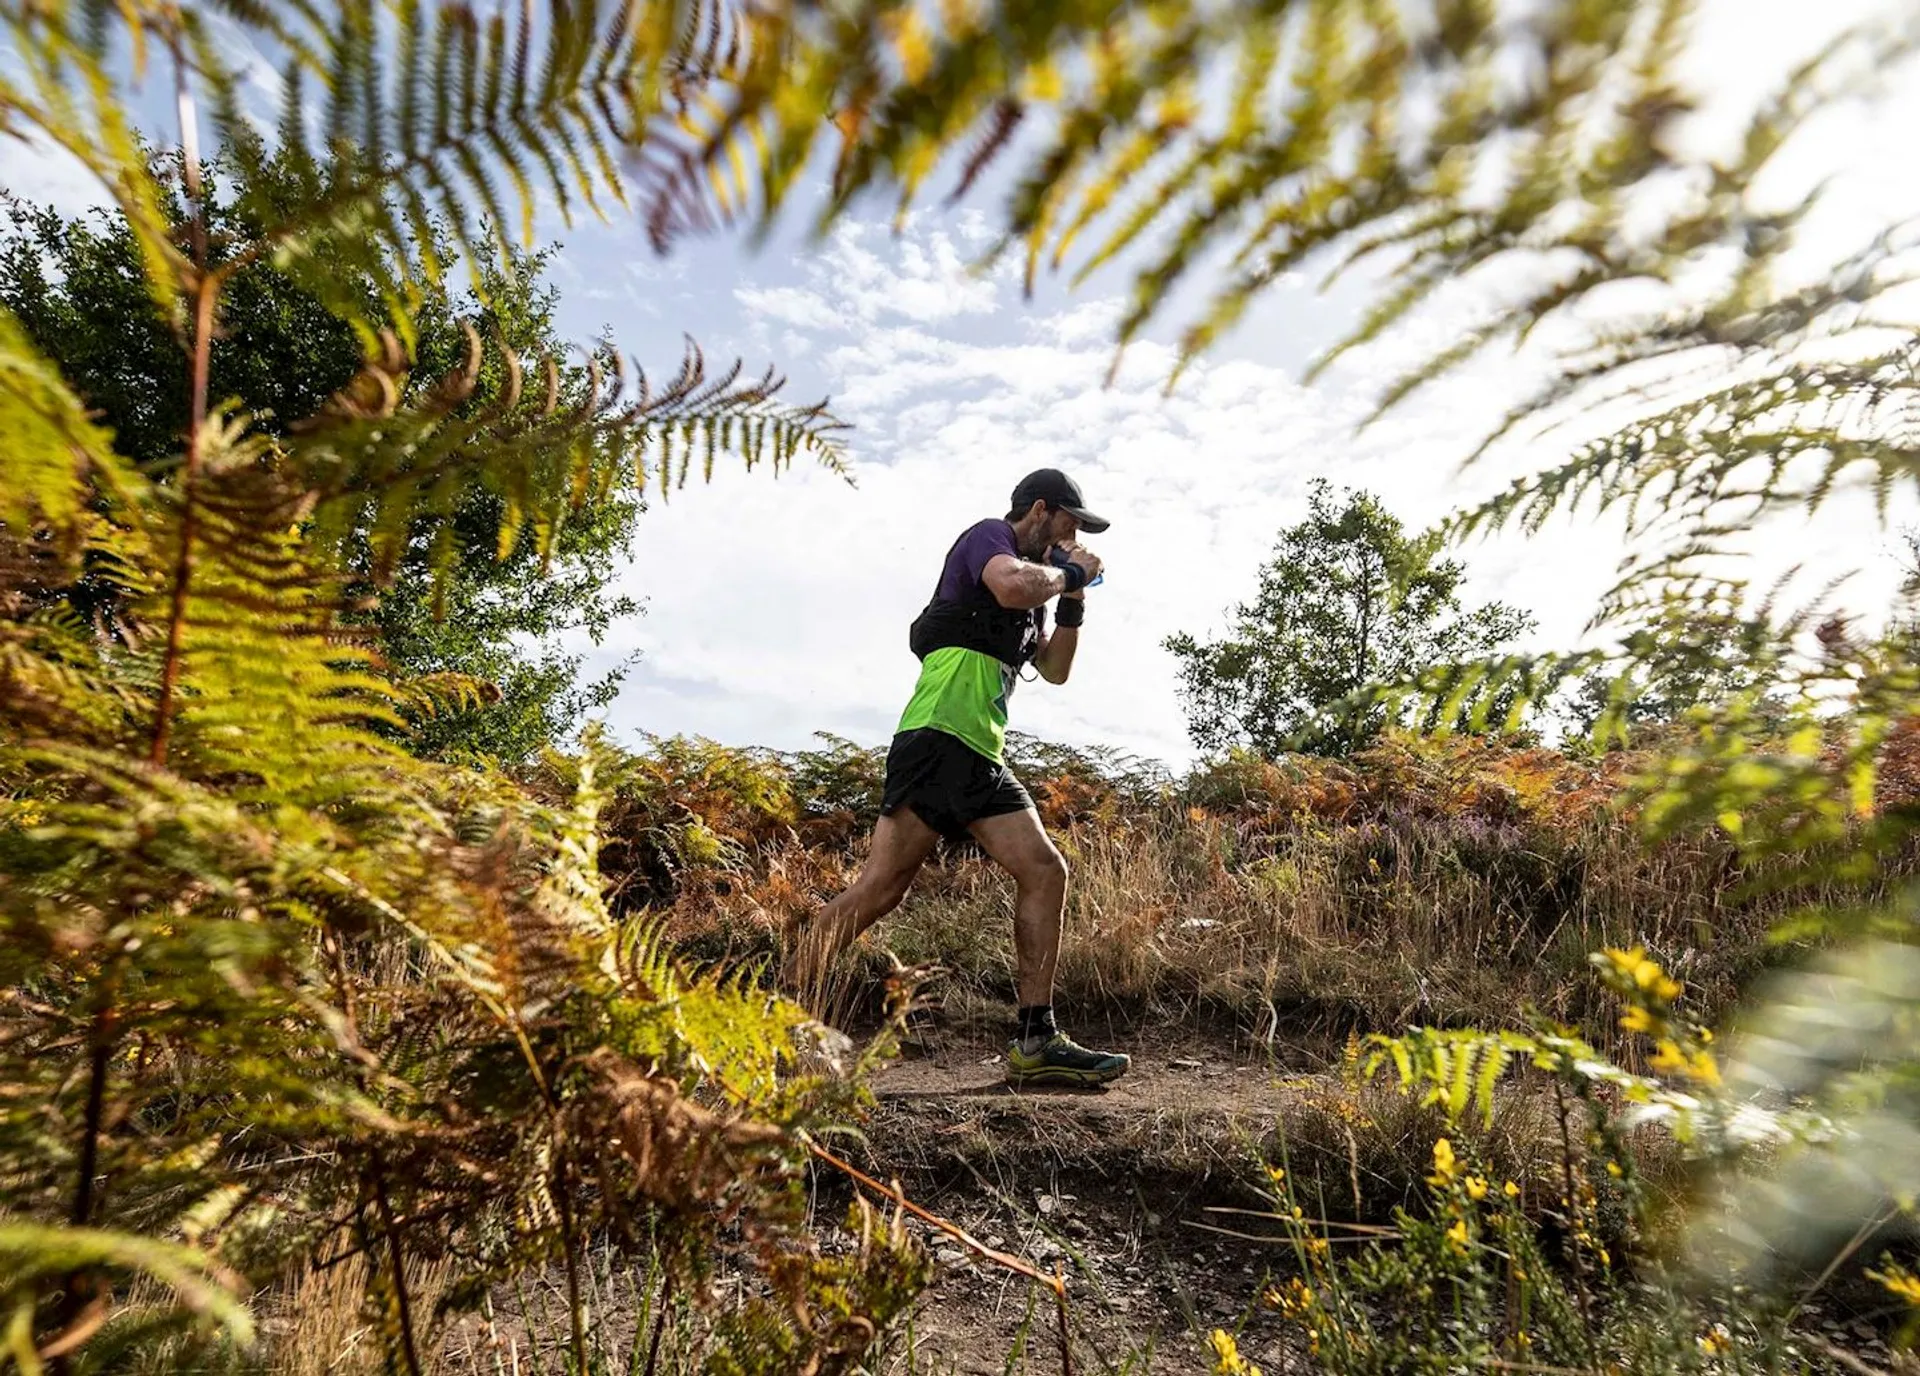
[{"x": 779, "y": 607}]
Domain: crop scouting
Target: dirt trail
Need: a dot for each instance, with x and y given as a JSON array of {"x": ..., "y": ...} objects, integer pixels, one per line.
[
  {"x": 1119, "y": 1187},
  {"x": 1187, "y": 1075}
]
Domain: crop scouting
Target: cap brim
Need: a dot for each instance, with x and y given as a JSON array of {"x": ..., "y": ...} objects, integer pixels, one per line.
[{"x": 1089, "y": 522}]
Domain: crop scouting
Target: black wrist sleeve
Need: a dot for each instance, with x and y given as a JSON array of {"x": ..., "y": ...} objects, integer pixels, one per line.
[{"x": 1070, "y": 612}]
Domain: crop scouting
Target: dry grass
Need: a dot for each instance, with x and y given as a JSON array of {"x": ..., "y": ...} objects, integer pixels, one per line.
[
  {"x": 1320, "y": 931},
  {"x": 319, "y": 1326},
  {"x": 1444, "y": 883}
]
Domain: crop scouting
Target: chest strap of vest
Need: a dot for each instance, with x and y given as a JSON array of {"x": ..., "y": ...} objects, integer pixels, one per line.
[{"x": 1009, "y": 635}]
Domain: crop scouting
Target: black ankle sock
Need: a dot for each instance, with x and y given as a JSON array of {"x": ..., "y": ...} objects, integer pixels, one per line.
[{"x": 1036, "y": 1021}]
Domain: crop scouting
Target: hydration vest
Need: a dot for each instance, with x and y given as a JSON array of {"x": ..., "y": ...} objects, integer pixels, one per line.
[{"x": 1006, "y": 633}]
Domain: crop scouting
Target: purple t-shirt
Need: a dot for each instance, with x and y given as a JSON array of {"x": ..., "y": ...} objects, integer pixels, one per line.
[
  {"x": 971, "y": 658},
  {"x": 962, "y": 578}
]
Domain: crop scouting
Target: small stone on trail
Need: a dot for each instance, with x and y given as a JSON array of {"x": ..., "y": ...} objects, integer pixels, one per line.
[
  {"x": 950, "y": 1256},
  {"x": 1047, "y": 1203},
  {"x": 1184, "y": 1065}
]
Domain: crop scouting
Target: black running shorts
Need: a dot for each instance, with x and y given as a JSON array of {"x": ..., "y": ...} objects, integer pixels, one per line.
[{"x": 948, "y": 784}]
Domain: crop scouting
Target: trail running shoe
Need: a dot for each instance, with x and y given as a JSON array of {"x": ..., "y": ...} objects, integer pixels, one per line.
[{"x": 1062, "y": 1061}]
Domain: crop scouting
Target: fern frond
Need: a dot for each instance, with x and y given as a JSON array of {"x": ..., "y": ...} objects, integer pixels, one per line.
[
  {"x": 56, "y": 457},
  {"x": 471, "y": 128},
  {"x": 370, "y": 465},
  {"x": 203, "y": 1290}
]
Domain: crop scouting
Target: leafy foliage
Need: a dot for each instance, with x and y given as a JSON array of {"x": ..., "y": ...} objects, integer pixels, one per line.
[
  {"x": 275, "y": 991},
  {"x": 76, "y": 286},
  {"x": 1348, "y": 600},
  {"x": 1479, "y": 1273}
]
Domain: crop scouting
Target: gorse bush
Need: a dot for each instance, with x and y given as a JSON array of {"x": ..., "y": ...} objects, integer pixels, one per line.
[{"x": 1566, "y": 1268}]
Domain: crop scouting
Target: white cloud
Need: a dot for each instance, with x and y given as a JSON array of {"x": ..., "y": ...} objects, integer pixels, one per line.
[
  {"x": 781, "y": 607},
  {"x": 791, "y": 306},
  {"x": 850, "y": 286},
  {"x": 42, "y": 172}
]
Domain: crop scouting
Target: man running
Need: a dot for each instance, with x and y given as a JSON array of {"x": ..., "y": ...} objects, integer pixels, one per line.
[{"x": 946, "y": 775}]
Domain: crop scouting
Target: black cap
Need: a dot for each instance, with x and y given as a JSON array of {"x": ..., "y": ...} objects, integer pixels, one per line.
[{"x": 1060, "y": 493}]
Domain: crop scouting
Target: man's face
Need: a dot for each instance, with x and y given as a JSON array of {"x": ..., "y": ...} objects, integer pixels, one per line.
[
  {"x": 1051, "y": 528},
  {"x": 1054, "y": 528}
]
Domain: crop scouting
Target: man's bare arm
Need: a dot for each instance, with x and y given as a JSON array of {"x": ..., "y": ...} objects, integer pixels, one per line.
[
  {"x": 1021, "y": 586},
  {"x": 1055, "y": 660}
]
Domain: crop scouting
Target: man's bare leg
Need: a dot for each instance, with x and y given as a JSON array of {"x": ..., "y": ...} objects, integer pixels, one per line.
[
  {"x": 901, "y": 844},
  {"x": 1019, "y": 844},
  {"x": 1040, "y": 1053}
]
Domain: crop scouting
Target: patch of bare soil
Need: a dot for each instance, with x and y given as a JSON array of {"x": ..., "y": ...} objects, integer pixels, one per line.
[{"x": 1126, "y": 1190}]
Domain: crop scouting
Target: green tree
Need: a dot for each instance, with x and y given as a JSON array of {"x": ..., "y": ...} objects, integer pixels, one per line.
[
  {"x": 1694, "y": 659},
  {"x": 1348, "y": 600},
  {"x": 77, "y": 286}
]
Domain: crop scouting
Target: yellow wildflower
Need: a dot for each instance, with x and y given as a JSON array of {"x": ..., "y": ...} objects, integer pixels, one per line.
[
  {"x": 1714, "y": 1341},
  {"x": 1669, "y": 1057},
  {"x": 1901, "y": 1282},
  {"x": 1227, "y": 1360},
  {"x": 1457, "y": 1234},
  {"x": 1510, "y": 1189},
  {"x": 1645, "y": 972},
  {"x": 1636, "y": 1019},
  {"x": 1443, "y": 1163},
  {"x": 1476, "y": 1187},
  {"x": 1613, "y": 1169},
  {"x": 1276, "y": 1175},
  {"x": 1296, "y": 1301}
]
